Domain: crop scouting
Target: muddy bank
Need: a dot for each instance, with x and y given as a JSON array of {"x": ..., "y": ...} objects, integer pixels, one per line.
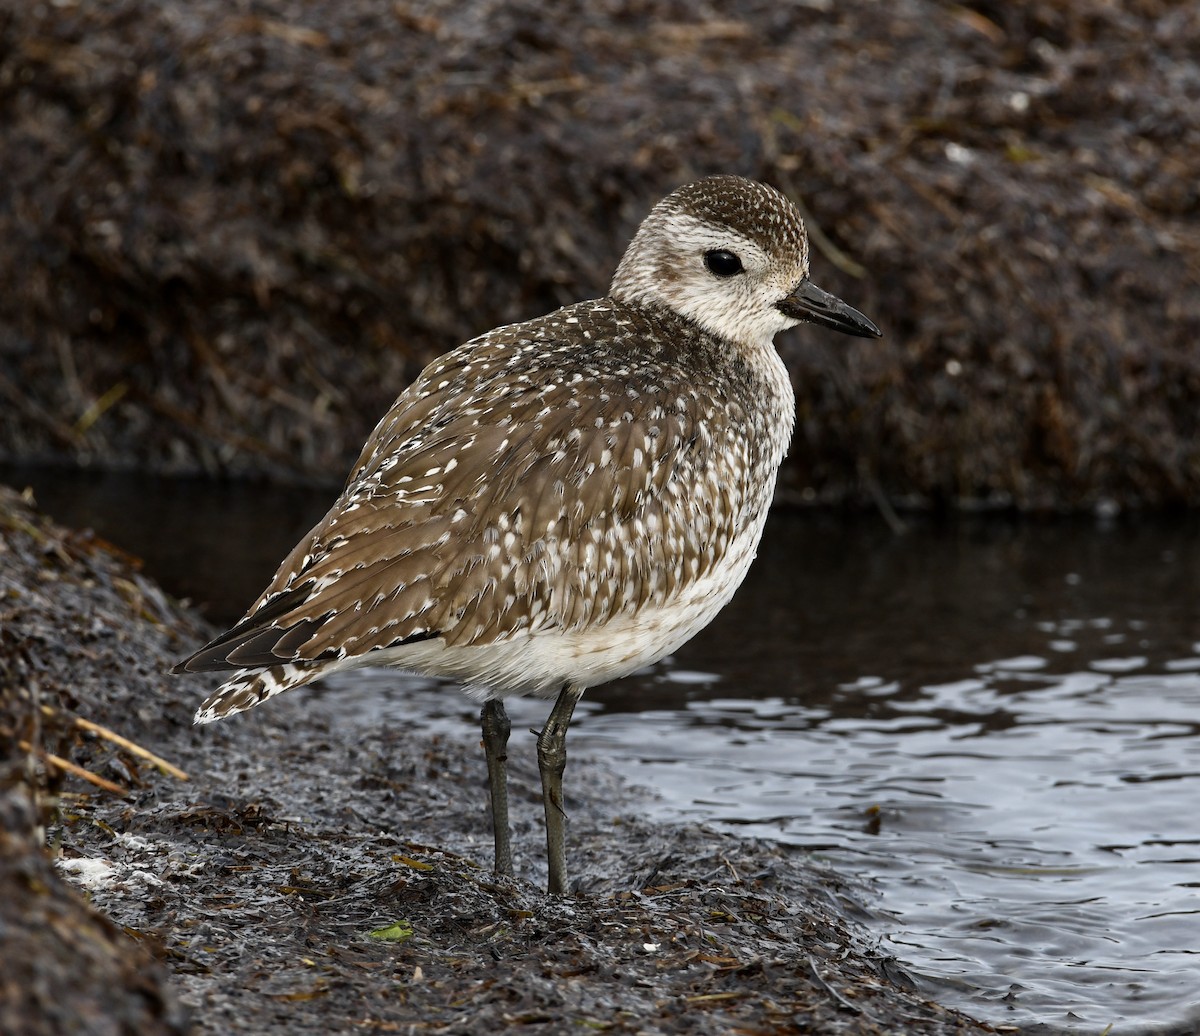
[
  {"x": 77, "y": 627},
  {"x": 230, "y": 235},
  {"x": 304, "y": 882}
]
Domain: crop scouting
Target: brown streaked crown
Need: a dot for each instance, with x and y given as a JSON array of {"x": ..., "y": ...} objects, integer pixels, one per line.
[{"x": 755, "y": 210}]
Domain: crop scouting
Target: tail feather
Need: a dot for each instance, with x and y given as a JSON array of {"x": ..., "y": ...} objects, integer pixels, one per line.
[
  {"x": 216, "y": 653},
  {"x": 250, "y": 687}
]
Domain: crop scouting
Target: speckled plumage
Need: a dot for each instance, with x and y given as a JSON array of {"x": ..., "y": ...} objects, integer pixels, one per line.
[
  {"x": 522, "y": 487},
  {"x": 562, "y": 501}
]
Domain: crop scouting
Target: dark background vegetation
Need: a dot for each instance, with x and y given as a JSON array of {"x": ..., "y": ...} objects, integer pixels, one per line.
[{"x": 230, "y": 232}]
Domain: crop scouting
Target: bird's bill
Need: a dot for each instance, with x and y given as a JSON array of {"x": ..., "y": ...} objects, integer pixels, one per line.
[{"x": 809, "y": 303}]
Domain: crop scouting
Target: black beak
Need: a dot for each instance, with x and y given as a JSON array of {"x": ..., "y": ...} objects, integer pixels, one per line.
[{"x": 810, "y": 303}]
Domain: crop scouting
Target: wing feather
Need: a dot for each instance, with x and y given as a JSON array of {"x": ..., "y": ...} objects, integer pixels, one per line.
[{"x": 486, "y": 504}]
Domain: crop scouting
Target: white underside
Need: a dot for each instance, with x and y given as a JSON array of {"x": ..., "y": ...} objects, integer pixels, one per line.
[{"x": 541, "y": 663}]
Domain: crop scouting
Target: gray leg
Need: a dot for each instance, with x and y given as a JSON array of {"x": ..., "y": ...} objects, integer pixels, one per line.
[
  {"x": 496, "y": 728},
  {"x": 552, "y": 760}
]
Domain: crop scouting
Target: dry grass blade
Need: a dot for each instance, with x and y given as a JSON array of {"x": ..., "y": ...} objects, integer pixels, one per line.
[
  {"x": 123, "y": 742},
  {"x": 70, "y": 767},
  {"x": 816, "y": 974}
]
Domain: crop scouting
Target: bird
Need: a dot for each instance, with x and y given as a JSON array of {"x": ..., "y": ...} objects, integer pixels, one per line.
[{"x": 560, "y": 502}]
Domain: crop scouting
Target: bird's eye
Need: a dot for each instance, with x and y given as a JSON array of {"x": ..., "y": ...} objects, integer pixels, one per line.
[{"x": 722, "y": 263}]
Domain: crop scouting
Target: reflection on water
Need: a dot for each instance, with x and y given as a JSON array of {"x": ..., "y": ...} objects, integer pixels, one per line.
[{"x": 998, "y": 723}]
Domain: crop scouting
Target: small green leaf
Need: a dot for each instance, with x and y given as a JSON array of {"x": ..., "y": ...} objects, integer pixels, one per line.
[{"x": 398, "y": 931}]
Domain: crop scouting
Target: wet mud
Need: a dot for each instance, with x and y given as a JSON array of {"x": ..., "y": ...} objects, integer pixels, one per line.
[
  {"x": 306, "y": 880},
  {"x": 79, "y": 628},
  {"x": 230, "y": 235}
]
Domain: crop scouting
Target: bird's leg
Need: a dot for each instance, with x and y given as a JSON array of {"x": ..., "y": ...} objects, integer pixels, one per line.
[
  {"x": 552, "y": 760},
  {"x": 496, "y": 728}
]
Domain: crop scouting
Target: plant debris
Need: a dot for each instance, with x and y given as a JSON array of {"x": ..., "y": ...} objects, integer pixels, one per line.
[
  {"x": 66, "y": 628},
  {"x": 306, "y": 879}
]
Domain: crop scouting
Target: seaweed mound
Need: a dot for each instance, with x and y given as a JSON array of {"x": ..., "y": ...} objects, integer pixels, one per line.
[
  {"x": 230, "y": 234},
  {"x": 73, "y": 619}
]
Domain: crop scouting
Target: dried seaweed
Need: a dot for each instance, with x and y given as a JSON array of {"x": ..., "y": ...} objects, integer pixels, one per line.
[
  {"x": 230, "y": 235},
  {"x": 358, "y": 905},
  {"x": 65, "y": 611}
]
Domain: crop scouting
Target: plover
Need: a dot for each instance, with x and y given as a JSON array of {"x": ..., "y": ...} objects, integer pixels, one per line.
[{"x": 560, "y": 502}]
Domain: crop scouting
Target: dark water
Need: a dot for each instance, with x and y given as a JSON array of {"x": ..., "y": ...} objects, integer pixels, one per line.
[{"x": 997, "y": 723}]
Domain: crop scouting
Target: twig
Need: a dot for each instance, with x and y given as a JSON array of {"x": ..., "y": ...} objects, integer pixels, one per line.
[
  {"x": 732, "y": 869},
  {"x": 812, "y": 966},
  {"x": 97, "y": 410},
  {"x": 123, "y": 742},
  {"x": 821, "y": 240},
  {"x": 894, "y": 522},
  {"x": 70, "y": 767}
]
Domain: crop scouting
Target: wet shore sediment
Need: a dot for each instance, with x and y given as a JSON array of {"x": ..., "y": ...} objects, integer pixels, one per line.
[{"x": 304, "y": 881}]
